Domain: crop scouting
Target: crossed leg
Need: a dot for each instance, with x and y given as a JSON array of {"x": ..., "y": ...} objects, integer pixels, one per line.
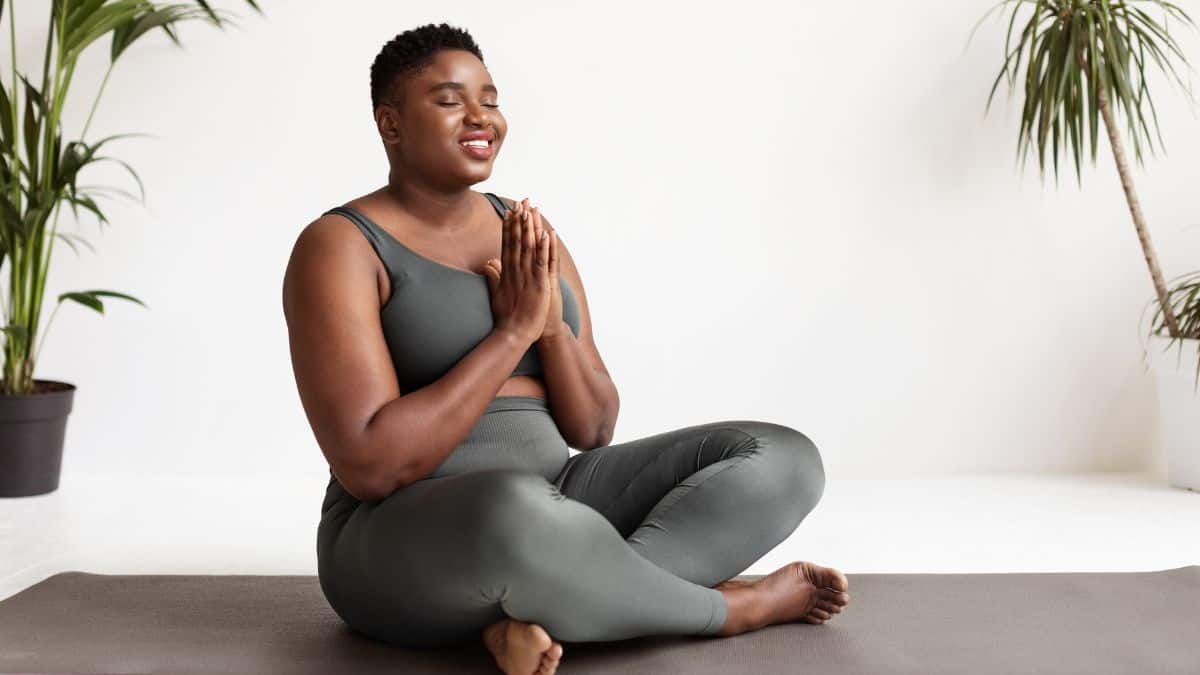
[
  {"x": 703, "y": 502},
  {"x": 627, "y": 541}
]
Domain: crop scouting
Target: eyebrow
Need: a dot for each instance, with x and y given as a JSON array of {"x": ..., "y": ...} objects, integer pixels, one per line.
[{"x": 460, "y": 87}]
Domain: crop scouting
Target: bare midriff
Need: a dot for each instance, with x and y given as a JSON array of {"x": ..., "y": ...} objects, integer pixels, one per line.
[{"x": 523, "y": 385}]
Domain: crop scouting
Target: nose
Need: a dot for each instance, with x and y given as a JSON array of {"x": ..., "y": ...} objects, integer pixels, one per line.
[{"x": 478, "y": 116}]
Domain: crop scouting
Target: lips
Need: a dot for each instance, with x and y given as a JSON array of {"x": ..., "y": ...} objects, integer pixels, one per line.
[{"x": 477, "y": 151}]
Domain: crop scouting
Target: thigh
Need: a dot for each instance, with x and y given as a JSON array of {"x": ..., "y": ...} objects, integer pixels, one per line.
[
  {"x": 624, "y": 481},
  {"x": 420, "y": 567}
]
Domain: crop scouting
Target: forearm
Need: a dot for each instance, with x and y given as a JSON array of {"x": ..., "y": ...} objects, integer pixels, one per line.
[
  {"x": 411, "y": 435},
  {"x": 582, "y": 400}
]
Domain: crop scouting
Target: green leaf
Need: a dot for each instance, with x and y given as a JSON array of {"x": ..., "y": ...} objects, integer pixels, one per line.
[
  {"x": 1093, "y": 104},
  {"x": 87, "y": 203},
  {"x": 96, "y": 24},
  {"x": 92, "y": 298},
  {"x": 7, "y": 135},
  {"x": 209, "y": 11},
  {"x": 68, "y": 237},
  {"x": 115, "y": 294},
  {"x": 32, "y": 133},
  {"x": 128, "y": 32},
  {"x": 81, "y": 12},
  {"x": 85, "y": 299},
  {"x": 123, "y": 163}
]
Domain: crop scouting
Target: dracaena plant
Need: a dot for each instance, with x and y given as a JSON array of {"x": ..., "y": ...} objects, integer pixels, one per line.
[
  {"x": 1083, "y": 60},
  {"x": 39, "y": 173}
]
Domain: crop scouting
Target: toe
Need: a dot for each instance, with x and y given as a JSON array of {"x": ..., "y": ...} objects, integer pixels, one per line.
[
  {"x": 829, "y": 607},
  {"x": 835, "y": 597},
  {"x": 826, "y": 577},
  {"x": 837, "y": 580}
]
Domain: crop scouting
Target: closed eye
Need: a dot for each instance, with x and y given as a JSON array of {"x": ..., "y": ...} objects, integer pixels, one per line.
[{"x": 486, "y": 105}]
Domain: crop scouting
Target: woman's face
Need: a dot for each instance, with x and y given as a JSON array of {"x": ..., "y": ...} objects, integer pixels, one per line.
[{"x": 441, "y": 104}]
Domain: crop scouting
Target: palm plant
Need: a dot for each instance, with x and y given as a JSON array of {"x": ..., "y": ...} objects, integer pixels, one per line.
[
  {"x": 1083, "y": 58},
  {"x": 36, "y": 180}
]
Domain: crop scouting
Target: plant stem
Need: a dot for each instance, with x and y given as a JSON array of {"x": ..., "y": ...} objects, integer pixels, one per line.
[
  {"x": 12, "y": 35},
  {"x": 96, "y": 102},
  {"x": 1135, "y": 209}
]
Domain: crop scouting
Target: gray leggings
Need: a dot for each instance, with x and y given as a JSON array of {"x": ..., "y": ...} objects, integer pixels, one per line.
[{"x": 617, "y": 542}]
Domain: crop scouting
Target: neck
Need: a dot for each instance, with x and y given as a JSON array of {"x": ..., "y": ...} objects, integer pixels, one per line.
[{"x": 437, "y": 207}]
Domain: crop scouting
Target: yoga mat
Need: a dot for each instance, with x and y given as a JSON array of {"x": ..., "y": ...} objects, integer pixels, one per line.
[{"x": 1119, "y": 622}]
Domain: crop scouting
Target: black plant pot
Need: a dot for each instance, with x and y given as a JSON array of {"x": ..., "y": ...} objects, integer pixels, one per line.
[{"x": 32, "y": 427}]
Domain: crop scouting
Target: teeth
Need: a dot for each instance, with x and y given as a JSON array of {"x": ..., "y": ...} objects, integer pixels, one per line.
[{"x": 481, "y": 143}]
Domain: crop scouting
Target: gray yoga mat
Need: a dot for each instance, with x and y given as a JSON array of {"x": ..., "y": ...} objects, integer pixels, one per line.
[{"x": 1120, "y": 622}]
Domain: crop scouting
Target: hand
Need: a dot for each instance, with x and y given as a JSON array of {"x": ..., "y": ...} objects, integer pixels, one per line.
[
  {"x": 554, "y": 325},
  {"x": 518, "y": 284}
]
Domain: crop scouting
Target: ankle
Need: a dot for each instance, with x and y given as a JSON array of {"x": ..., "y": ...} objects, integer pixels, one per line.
[
  {"x": 745, "y": 610},
  {"x": 495, "y": 632}
]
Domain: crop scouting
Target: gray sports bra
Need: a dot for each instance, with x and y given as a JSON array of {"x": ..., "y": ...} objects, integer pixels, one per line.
[{"x": 437, "y": 314}]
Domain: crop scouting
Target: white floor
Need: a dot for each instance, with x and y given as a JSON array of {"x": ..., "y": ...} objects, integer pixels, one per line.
[{"x": 1102, "y": 522}]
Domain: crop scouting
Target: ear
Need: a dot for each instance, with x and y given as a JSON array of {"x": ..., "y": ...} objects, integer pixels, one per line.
[{"x": 387, "y": 122}]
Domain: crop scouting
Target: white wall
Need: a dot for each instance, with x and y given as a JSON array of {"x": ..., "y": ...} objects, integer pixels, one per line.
[{"x": 798, "y": 217}]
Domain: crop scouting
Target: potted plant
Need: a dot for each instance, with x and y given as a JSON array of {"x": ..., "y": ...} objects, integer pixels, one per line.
[
  {"x": 1085, "y": 59},
  {"x": 1178, "y": 404},
  {"x": 38, "y": 175}
]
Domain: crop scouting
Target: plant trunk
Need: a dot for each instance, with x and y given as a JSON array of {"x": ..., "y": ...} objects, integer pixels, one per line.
[{"x": 1135, "y": 209}]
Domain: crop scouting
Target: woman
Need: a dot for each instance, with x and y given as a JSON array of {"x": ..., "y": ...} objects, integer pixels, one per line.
[{"x": 444, "y": 385}]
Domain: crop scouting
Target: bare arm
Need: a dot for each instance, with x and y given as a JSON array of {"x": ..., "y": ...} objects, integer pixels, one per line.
[{"x": 375, "y": 438}]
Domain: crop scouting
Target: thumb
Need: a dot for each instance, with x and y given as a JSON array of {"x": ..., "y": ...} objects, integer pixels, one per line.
[{"x": 491, "y": 270}]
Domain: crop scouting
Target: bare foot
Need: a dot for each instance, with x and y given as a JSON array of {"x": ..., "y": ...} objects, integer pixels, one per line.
[
  {"x": 798, "y": 591},
  {"x": 522, "y": 648}
]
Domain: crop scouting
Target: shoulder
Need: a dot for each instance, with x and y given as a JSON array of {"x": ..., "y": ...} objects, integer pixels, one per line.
[
  {"x": 330, "y": 233},
  {"x": 327, "y": 246},
  {"x": 510, "y": 203}
]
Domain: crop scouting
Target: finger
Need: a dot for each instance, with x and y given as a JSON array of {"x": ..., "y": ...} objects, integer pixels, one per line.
[
  {"x": 513, "y": 245},
  {"x": 543, "y": 260},
  {"x": 538, "y": 224},
  {"x": 553, "y": 237},
  {"x": 538, "y": 228},
  {"x": 490, "y": 274},
  {"x": 527, "y": 250},
  {"x": 506, "y": 238}
]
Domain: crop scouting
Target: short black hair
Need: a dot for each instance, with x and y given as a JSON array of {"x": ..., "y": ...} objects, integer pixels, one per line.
[{"x": 410, "y": 51}]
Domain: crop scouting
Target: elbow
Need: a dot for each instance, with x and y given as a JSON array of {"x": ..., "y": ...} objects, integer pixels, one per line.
[
  {"x": 372, "y": 486},
  {"x": 368, "y": 480},
  {"x": 360, "y": 482},
  {"x": 601, "y": 438},
  {"x": 608, "y": 424}
]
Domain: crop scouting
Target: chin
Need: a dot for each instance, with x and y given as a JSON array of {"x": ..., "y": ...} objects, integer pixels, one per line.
[{"x": 479, "y": 175}]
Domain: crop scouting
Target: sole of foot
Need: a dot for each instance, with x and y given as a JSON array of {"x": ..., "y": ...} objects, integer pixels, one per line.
[
  {"x": 522, "y": 648},
  {"x": 799, "y": 591}
]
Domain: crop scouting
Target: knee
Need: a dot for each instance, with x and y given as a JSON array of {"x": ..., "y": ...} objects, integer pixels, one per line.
[{"x": 791, "y": 464}]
